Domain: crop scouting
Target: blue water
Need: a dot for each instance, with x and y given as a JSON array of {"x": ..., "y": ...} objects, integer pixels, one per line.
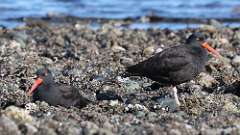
[{"x": 119, "y": 9}]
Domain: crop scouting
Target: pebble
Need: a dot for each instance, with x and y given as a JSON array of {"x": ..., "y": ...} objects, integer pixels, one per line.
[
  {"x": 31, "y": 130},
  {"x": 236, "y": 60},
  {"x": 18, "y": 114},
  {"x": 140, "y": 114},
  {"x": 102, "y": 131},
  {"x": 126, "y": 61},
  {"x": 166, "y": 103},
  {"x": 121, "y": 79},
  {"x": 175, "y": 132},
  {"x": 90, "y": 128},
  {"x": 135, "y": 107},
  {"x": 151, "y": 116},
  {"x": 158, "y": 50},
  {"x": 107, "y": 125},
  {"x": 224, "y": 41},
  {"x": 113, "y": 103},
  {"x": 231, "y": 107},
  {"x": 31, "y": 107},
  {"x": 15, "y": 45},
  {"x": 46, "y": 131},
  {"x": 208, "y": 28},
  {"x": 206, "y": 80},
  {"x": 8, "y": 126},
  {"x": 117, "y": 48},
  {"x": 149, "y": 50},
  {"x": 216, "y": 24}
]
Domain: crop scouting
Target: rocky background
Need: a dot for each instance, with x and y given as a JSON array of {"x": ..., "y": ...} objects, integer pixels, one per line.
[{"x": 93, "y": 60}]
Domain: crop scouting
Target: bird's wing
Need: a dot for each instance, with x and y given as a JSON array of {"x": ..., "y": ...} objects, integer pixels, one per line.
[
  {"x": 72, "y": 94},
  {"x": 169, "y": 60},
  {"x": 68, "y": 91}
]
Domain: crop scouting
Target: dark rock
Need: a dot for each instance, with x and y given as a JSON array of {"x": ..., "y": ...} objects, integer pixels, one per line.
[{"x": 108, "y": 95}]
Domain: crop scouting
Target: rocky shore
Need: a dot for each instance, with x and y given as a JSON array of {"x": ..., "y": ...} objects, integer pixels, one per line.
[{"x": 93, "y": 60}]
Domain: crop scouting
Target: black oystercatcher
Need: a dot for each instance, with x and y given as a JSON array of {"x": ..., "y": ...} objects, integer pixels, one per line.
[
  {"x": 177, "y": 64},
  {"x": 45, "y": 89}
]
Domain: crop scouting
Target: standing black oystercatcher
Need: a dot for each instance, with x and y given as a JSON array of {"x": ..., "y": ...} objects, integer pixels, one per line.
[
  {"x": 45, "y": 89},
  {"x": 177, "y": 64}
]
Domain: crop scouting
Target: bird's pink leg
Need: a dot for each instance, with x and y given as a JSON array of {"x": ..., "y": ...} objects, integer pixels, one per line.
[{"x": 176, "y": 96}]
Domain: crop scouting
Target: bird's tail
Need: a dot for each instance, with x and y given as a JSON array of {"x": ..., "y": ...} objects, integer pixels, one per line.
[{"x": 132, "y": 71}]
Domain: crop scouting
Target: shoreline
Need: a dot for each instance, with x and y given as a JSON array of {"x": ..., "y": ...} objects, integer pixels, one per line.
[
  {"x": 150, "y": 20},
  {"x": 88, "y": 59}
]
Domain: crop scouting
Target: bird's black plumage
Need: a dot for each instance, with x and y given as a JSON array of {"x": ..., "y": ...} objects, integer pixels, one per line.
[
  {"x": 174, "y": 65},
  {"x": 57, "y": 94}
]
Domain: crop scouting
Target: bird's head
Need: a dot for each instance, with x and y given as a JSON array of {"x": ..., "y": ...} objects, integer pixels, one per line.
[
  {"x": 44, "y": 76},
  {"x": 197, "y": 39}
]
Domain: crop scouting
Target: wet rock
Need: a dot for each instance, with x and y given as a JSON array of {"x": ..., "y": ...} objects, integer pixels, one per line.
[
  {"x": 18, "y": 114},
  {"x": 8, "y": 126},
  {"x": 151, "y": 87},
  {"x": 166, "y": 103},
  {"x": 232, "y": 88},
  {"x": 130, "y": 99},
  {"x": 131, "y": 86},
  {"x": 108, "y": 95}
]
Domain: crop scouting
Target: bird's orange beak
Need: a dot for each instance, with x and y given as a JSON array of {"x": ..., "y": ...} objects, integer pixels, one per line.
[
  {"x": 211, "y": 50},
  {"x": 37, "y": 82}
]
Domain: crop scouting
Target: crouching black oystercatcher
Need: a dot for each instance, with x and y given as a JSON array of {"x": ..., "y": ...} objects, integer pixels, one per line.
[
  {"x": 45, "y": 89},
  {"x": 177, "y": 64}
]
